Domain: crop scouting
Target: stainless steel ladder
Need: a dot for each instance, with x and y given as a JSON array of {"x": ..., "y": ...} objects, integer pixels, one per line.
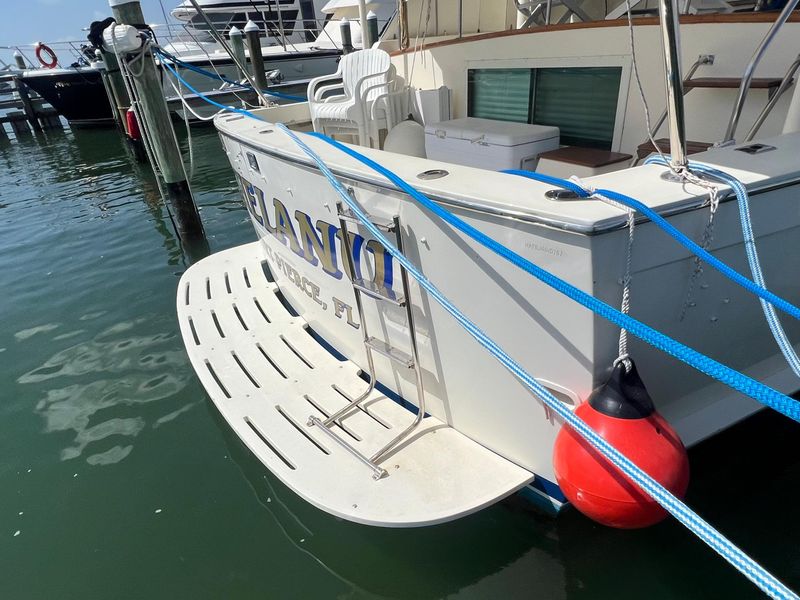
[{"x": 372, "y": 344}]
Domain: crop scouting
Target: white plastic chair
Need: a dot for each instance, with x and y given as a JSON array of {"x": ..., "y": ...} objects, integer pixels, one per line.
[{"x": 362, "y": 77}]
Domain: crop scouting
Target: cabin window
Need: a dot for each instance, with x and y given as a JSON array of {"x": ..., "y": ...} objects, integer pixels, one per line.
[
  {"x": 501, "y": 94},
  {"x": 580, "y": 101},
  {"x": 266, "y": 18},
  {"x": 222, "y": 21}
]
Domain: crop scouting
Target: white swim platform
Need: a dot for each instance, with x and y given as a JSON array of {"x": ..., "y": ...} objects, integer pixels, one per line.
[{"x": 267, "y": 374}]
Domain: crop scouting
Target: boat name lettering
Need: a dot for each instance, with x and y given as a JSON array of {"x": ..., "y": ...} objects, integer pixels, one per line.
[
  {"x": 342, "y": 308},
  {"x": 316, "y": 242},
  {"x": 311, "y": 289}
]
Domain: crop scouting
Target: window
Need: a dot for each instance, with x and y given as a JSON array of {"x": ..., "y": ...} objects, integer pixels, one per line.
[
  {"x": 580, "y": 101},
  {"x": 501, "y": 94},
  {"x": 267, "y": 20}
]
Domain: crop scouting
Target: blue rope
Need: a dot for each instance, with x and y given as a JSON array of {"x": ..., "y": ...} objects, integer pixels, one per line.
[
  {"x": 196, "y": 69},
  {"x": 756, "y": 288},
  {"x": 738, "y": 381},
  {"x": 743, "y": 201},
  {"x": 764, "y": 580},
  {"x": 241, "y": 111}
]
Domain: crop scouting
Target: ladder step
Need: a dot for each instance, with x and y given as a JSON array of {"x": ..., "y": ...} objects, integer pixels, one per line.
[
  {"x": 386, "y": 225},
  {"x": 390, "y": 352},
  {"x": 731, "y": 83},
  {"x": 368, "y": 287}
]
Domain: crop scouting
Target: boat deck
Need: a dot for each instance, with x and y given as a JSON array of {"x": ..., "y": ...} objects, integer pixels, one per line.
[{"x": 267, "y": 373}]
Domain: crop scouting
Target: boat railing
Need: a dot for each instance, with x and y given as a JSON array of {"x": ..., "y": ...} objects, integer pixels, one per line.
[
  {"x": 187, "y": 32},
  {"x": 786, "y": 82},
  {"x": 72, "y": 48},
  {"x": 750, "y": 70},
  {"x": 540, "y": 13}
]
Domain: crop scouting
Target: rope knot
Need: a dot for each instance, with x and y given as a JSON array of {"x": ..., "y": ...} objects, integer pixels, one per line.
[{"x": 583, "y": 185}]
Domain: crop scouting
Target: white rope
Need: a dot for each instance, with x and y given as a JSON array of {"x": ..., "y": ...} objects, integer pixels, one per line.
[
  {"x": 705, "y": 242},
  {"x": 417, "y": 46},
  {"x": 135, "y": 103},
  {"x": 683, "y": 173},
  {"x": 625, "y": 307},
  {"x": 186, "y": 124},
  {"x": 187, "y": 106},
  {"x": 623, "y": 356},
  {"x": 143, "y": 127},
  {"x": 138, "y": 58},
  {"x": 638, "y": 79}
]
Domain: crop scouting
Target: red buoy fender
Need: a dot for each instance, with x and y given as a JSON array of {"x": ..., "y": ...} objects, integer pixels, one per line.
[
  {"x": 132, "y": 125},
  {"x": 597, "y": 488},
  {"x": 44, "y": 48}
]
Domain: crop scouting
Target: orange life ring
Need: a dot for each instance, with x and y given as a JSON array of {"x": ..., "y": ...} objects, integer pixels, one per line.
[{"x": 40, "y": 48}]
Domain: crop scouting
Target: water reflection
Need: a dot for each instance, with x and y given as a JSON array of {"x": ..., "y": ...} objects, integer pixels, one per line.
[
  {"x": 90, "y": 385},
  {"x": 511, "y": 550},
  {"x": 504, "y": 547}
]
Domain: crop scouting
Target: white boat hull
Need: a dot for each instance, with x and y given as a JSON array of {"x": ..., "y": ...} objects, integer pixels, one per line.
[{"x": 564, "y": 345}]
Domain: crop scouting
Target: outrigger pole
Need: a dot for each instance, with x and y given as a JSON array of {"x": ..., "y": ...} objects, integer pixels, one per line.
[{"x": 668, "y": 14}]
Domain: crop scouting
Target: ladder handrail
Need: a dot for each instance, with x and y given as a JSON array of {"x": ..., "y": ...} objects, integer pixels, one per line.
[
  {"x": 325, "y": 425},
  {"x": 348, "y": 252},
  {"x": 414, "y": 353}
]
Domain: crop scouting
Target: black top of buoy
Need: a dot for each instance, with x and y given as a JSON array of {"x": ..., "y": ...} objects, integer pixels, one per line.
[{"x": 623, "y": 396}]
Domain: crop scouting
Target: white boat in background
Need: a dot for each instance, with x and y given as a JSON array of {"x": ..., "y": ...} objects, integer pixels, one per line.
[
  {"x": 301, "y": 40},
  {"x": 332, "y": 331}
]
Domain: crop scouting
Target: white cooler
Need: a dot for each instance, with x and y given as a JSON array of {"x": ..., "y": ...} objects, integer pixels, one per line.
[{"x": 489, "y": 144}]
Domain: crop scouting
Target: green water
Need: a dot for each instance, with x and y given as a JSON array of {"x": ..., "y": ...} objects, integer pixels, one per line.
[{"x": 123, "y": 482}]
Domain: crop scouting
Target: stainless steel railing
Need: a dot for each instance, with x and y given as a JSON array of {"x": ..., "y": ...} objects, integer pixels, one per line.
[
  {"x": 773, "y": 100},
  {"x": 750, "y": 70}
]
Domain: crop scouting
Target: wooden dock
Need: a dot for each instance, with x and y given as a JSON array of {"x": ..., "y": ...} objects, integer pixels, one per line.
[{"x": 32, "y": 113}]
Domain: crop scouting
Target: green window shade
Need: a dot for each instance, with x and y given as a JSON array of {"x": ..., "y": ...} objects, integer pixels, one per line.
[
  {"x": 500, "y": 94},
  {"x": 580, "y": 101}
]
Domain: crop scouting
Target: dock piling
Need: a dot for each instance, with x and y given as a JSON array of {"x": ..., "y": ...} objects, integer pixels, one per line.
[
  {"x": 50, "y": 120},
  {"x": 237, "y": 45},
  {"x": 19, "y": 124},
  {"x": 371, "y": 35},
  {"x": 346, "y": 35},
  {"x": 153, "y": 111},
  {"x": 253, "y": 33},
  {"x": 121, "y": 101},
  {"x": 27, "y": 105},
  {"x": 112, "y": 101}
]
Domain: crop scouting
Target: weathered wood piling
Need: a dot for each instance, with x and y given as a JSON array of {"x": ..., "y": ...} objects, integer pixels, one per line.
[
  {"x": 27, "y": 105},
  {"x": 115, "y": 86},
  {"x": 32, "y": 112},
  {"x": 158, "y": 125}
]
